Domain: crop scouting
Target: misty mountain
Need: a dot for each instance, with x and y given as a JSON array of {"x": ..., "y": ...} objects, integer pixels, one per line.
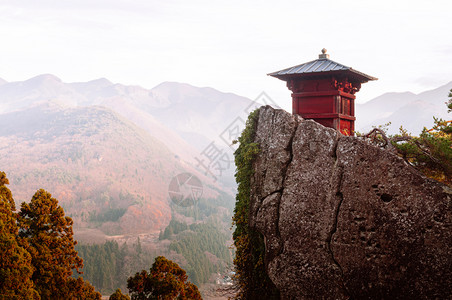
[
  {"x": 98, "y": 164},
  {"x": 186, "y": 119},
  {"x": 44, "y": 88},
  {"x": 104, "y": 148},
  {"x": 199, "y": 115},
  {"x": 195, "y": 113},
  {"x": 412, "y": 111}
]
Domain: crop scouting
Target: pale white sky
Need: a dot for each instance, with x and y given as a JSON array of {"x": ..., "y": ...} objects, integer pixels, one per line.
[{"x": 228, "y": 45}]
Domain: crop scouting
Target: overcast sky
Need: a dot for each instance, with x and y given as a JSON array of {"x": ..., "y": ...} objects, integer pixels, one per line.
[{"x": 228, "y": 45}]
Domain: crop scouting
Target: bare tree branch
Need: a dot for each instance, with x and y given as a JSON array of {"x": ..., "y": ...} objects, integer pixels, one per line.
[{"x": 375, "y": 135}]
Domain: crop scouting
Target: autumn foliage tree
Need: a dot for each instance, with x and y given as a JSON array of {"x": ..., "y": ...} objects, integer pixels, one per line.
[
  {"x": 37, "y": 250},
  {"x": 118, "y": 295},
  {"x": 49, "y": 240},
  {"x": 166, "y": 280},
  {"x": 79, "y": 289},
  {"x": 15, "y": 263}
]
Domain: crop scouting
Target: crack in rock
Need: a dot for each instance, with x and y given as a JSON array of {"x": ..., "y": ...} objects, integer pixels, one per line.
[
  {"x": 278, "y": 210},
  {"x": 337, "y": 174}
]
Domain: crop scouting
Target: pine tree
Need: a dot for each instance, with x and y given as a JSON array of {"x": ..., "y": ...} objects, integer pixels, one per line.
[
  {"x": 15, "y": 263},
  {"x": 50, "y": 242},
  {"x": 166, "y": 280},
  {"x": 118, "y": 295},
  {"x": 431, "y": 151},
  {"x": 79, "y": 289}
]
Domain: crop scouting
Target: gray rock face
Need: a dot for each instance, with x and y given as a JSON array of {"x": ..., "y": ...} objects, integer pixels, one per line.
[{"x": 344, "y": 219}]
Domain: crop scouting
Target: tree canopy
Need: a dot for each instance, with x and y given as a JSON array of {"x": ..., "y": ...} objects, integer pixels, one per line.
[
  {"x": 118, "y": 295},
  {"x": 15, "y": 263},
  {"x": 50, "y": 242},
  {"x": 37, "y": 250},
  {"x": 165, "y": 280}
]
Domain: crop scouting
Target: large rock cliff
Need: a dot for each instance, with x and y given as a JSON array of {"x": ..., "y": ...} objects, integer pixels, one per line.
[{"x": 345, "y": 219}]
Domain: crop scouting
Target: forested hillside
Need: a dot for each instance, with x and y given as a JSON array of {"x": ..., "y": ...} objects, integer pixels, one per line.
[
  {"x": 107, "y": 266},
  {"x": 103, "y": 167},
  {"x": 197, "y": 237}
]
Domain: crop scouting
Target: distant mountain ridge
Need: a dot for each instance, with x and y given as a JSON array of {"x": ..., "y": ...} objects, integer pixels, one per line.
[
  {"x": 412, "y": 111},
  {"x": 197, "y": 115}
]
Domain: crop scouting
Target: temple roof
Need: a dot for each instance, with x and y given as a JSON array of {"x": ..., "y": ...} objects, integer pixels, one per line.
[{"x": 321, "y": 66}]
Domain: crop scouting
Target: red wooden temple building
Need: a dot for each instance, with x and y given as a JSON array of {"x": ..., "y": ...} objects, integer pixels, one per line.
[{"x": 324, "y": 91}]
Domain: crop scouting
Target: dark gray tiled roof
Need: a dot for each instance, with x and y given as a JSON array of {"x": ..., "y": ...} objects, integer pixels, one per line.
[{"x": 318, "y": 66}]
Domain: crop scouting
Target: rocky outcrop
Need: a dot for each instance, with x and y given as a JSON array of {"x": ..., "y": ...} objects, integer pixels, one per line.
[{"x": 344, "y": 219}]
